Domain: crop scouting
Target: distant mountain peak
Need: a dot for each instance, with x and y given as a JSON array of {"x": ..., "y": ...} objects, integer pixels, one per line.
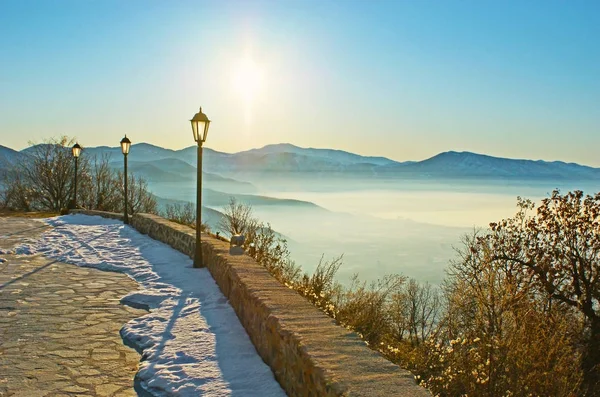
[
  {"x": 342, "y": 157},
  {"x": 460, "y": 153},
  {"x": 281, "y": 146},
  {"x": 149, "y": 145}
]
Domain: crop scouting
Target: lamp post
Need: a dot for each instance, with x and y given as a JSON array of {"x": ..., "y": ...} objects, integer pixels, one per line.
[
  {"x": 200, "y": 125},
  {"x": 76, "y": 152},
  {"x": 125, "y": 145}
]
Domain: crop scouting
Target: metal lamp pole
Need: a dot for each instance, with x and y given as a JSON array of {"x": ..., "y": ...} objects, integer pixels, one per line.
[
  {"x": 198, "y": 256},
  {"x": 125, "y": 145},
  {"x": 200, "y": 125},
  {"x": 76, "y": 152}
]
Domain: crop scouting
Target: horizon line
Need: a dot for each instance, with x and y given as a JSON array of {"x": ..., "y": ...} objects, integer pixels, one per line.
[{"x": 339, "y": 150}]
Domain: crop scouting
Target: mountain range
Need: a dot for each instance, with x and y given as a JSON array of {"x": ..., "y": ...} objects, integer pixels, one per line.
[
  {"x": 9, "y": 157},
  {"x": 160, "y": 164},
  {"x": 176, "y": 170}
]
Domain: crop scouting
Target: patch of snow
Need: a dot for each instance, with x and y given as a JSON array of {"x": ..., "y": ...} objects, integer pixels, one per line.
[
  {"x": 24, "y": 249},
  {"x": 192, "y": 342}
]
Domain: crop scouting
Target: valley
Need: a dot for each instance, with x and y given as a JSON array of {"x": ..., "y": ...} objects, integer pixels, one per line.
[{"x": 383, "y": 216}]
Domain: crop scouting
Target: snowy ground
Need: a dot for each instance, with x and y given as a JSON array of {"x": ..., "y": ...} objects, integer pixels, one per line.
[{"x": 193, "y": 344}]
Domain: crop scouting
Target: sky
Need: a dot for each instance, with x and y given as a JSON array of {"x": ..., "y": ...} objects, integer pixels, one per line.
[{"x": 398, "y": 78}]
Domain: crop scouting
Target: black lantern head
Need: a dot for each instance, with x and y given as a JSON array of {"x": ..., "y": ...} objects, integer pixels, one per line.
[
  {"x": 125, "y": 145},
  {"x": 76, "y": 150},
  {"x": 200, "y": 125}
]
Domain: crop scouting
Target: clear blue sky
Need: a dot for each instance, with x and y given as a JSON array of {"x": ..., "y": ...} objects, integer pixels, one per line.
[{"x": 402, "y": 79}]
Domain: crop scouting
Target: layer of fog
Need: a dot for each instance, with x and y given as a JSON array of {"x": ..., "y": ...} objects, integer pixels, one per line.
[{"x": 382, "y": 227}]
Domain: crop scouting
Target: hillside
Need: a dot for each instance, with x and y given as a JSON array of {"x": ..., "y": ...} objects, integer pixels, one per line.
[
  {"x": 172, "y": 170},
  {"x": 319, "y": 162},
  {"x": 138, "y": 152},
  {"x": 159, "y": 164},
  {"x": 215, "y": 198},
  {"x": 9, "y": 157},
  {"x": 467, "y": 164},
  {"x": 338, "y": 156}
]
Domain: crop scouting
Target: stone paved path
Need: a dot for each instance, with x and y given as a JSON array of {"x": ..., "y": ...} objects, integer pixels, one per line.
[{"x": 59, "y": 325}]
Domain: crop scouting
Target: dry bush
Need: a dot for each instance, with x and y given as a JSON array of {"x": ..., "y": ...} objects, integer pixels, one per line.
[
  {"x": 366, "y": 307},
  {"x": 272, "y": 252},
  {"x": 541, "y": 353},
  {"x": 268, "y": 249},
  {"x": 535, "y": 358},
  {"x": 181, "y": 213},
  {"x": 498, "y": 336},
  {"x": 237, "y": 219},
  {"x": 321, "y": 288},
  {"x": 184, "y": 214}
]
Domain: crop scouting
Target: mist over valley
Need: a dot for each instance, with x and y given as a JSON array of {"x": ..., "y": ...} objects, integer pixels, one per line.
[{"x": 383, "y": 216}]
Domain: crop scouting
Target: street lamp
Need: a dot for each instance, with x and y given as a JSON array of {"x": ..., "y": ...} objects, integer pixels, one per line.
[
  {"x": 76, "y": 152},
  {"x": 125, "y": 145},
  {"x": 200, "y": 125}
]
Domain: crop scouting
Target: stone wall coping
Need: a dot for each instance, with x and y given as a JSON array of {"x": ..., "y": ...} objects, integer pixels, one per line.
[
  {"x": 308, "y": 352},
  {"x": 104, "y": 214}
]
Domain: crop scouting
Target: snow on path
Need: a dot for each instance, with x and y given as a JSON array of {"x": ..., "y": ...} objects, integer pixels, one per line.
[{"x": 192, "y": 341}]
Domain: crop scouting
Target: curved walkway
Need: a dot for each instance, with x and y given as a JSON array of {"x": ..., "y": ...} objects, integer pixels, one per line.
[{"x": 59, "y": 324}]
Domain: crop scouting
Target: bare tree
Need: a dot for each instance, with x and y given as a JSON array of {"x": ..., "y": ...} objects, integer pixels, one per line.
[
  {"x": 105, "y": 185},
  {"x": 238, "y": 218},
  {"x": 44, "y": 178},
  {"x": 139, "y": 197},
  {"x": 415, "y": 311},
  {"x": 99, "y": 186}
]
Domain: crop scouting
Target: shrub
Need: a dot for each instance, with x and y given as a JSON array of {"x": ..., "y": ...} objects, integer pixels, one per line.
[
  {"x": 514, "y": 316},
  {"x": 184, "y": 214}
]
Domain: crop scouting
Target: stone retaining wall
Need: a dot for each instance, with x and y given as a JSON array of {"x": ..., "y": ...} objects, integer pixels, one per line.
[
  {"x": 309, "y": 354},
  {"x": 104, "y": 214}
]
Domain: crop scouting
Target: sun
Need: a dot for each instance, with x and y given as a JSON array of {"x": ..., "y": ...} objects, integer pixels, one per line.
[{"x": 248, "y": 80}]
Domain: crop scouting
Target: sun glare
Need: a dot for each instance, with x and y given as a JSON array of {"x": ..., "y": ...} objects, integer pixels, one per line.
[{"x": 248, "y": 80}]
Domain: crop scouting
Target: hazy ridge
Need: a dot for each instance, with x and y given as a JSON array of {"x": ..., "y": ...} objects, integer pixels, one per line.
[{"x": 287, "y": 158}]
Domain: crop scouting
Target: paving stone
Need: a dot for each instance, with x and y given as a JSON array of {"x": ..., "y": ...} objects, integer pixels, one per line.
[
  {"x": 59, "y": 325},
  {"x": 75, "y": 389},
  {"x": 30, "y": 393},
  {"x": 92, "y": 380},
  {"x": 107, "y": 389}
]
